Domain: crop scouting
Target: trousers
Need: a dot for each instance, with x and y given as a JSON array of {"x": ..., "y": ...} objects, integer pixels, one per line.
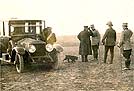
[
  {"x": 107, "y": 48},
  {"x": 84, "y": 58},
  {"x": 127, "y": 54},
  {"x": 95, "y": 51}
]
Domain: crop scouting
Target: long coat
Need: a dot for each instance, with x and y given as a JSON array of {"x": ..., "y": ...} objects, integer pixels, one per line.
[
  {"x": 109, "y": 38},
  {"x": 85, "y": 42}
]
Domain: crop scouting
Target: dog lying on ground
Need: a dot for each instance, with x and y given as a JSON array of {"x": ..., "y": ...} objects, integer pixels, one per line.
[{"x": 70, "y": 57}]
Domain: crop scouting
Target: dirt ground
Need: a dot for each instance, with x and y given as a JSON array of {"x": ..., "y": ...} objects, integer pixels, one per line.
[{"x": 78, "y": 76}]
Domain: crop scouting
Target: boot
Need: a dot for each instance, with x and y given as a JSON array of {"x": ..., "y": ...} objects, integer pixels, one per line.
[
  {"x": 127, "y": 63},
  {"x": 105, "y": 58},
  {"x": 112, "y": 56},
  {"x": 82, "y": 58},
  {"x": 86, "y": 60}
]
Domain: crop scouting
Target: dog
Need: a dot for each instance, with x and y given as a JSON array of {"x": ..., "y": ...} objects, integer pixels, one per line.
[{"x": 70, "y": 57}]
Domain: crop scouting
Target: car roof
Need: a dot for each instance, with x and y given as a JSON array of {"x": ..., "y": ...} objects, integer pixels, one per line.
[{"x": 23, "y": 21}]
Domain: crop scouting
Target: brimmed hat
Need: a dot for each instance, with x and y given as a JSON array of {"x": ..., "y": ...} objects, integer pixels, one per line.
[
  {"x": 124, "y": 24},
  {"x": 85, "y": 26},
  {"x": 109, "y": 23},
  {"x": 92, "y": 25},
  {"x": 49, "y": 27}
]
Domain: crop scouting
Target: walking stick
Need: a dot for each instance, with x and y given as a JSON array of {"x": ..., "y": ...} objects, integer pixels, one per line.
[
  {"x": 120, "y": 53},
  {"x": 99, "y": 56},
  {"x": 121, "y": 56}
]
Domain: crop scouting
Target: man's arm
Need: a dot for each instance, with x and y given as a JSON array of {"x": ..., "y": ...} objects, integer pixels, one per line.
[
  {"x": 121, "y": 39},
  {"x": 78, "y": 36},
  {"x": 98, "y": 34},
  {"x": 115, "y": 36},
  {"x": 90, "y": 32},
  {"x": 131, "y": 33},
  {"x": 104, "y": 37}
]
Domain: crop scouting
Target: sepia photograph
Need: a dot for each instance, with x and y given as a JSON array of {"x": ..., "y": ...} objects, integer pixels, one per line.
[{"x": 66, "y": 45}]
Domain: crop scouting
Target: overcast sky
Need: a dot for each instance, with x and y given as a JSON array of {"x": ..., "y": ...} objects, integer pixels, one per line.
[{"x": 67, "y": 17}]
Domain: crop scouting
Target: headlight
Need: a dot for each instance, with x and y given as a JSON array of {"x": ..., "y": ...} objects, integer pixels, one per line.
[
  {"x": 49, "y": 47},
  {"x": 32, "y": 48}
]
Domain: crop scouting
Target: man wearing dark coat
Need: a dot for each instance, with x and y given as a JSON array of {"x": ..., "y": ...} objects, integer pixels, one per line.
[
  {"x": 85, "y": 43},
  {"x": 109, "y": 40}
]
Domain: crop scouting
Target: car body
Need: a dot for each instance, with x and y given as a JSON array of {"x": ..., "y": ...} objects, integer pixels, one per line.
[{"x": 24, "y": 44}]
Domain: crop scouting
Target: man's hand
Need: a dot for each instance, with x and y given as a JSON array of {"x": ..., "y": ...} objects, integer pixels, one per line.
[
  {"x": 118, "y": 45},
  {"x": 103, "y": 42}
]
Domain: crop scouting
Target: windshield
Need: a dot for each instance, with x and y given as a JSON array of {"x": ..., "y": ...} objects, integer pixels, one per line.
[
  {"x": 25, "y": 29},
  {"x": 21, "y": 27}
]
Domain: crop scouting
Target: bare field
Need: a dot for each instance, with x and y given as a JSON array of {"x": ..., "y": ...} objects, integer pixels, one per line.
[{"x": 78, "y": 76}]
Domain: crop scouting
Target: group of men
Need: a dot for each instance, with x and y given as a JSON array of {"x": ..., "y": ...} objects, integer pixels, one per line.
[
  {"x": 88, "y": 46},
  {"x": 85, "y": 48}
]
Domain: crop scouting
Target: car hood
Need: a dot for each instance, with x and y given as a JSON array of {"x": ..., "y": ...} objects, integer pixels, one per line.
[{"x": 30, "y": 41}]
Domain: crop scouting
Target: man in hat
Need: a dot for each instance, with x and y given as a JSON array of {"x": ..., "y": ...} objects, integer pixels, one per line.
[
  {"x": 85, "y": 43},
  {"x": 125, "y": 43},
  {"x": 49, "y": 36},
  {"x": 109, "y": 40},
  {"x": 95, "y": 42}
]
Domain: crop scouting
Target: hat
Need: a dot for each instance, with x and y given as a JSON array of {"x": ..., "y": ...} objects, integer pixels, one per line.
[
  {"x": 125, "y": 24},
  {"x": 92, "y": 25},
  {"x": 85, "y": 26},
  {"x": 49, "y": 27},
  {"x": 109, "y": 23}
]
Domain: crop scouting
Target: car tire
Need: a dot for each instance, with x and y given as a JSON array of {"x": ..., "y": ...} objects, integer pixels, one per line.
[
  {"x": 19, "y": 63},
  {"x": 55, "y": 59}
]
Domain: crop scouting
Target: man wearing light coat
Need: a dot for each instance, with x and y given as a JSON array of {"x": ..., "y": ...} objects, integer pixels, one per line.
[
  {"x": 95, "y": 42},
  {"x": 125, "y": 44}
]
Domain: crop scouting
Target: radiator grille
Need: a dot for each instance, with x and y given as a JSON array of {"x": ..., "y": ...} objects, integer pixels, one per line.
[{"x": 40, "y": 50}]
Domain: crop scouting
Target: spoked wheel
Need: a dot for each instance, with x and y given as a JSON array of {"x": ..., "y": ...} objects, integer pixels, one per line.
[{"x": 19, "y": 63}]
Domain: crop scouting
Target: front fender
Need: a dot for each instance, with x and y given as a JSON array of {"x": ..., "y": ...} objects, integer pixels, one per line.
[
  {"x": 58, "y": 47},
  {"x": 19, "y": 50}
]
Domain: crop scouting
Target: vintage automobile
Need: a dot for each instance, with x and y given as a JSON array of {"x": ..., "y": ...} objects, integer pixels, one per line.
[{"x": 24, "y": 45}]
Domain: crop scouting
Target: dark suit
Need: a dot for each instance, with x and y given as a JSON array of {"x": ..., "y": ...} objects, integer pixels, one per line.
[
  {"x": 85, "y": 44},
  {"x": 109, "y": 40}
]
